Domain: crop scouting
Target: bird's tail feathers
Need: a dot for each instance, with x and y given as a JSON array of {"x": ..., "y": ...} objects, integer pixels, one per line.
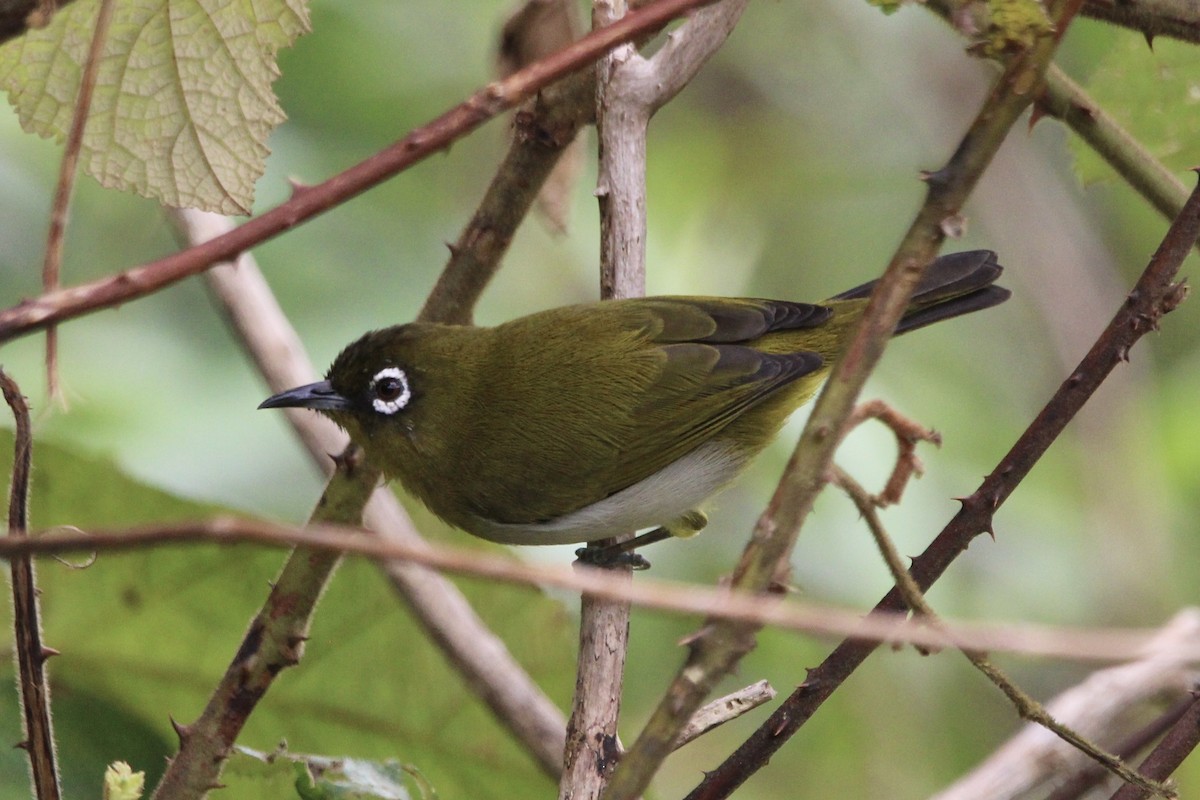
[{"x": 954, "y": 284}]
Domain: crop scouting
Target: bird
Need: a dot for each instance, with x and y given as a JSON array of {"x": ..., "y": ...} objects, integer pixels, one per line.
[{"x": 579, "y": 423}]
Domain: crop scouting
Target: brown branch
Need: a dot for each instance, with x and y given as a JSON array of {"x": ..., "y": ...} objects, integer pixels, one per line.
[
  {"x": 1068, "y": 102},
  {"x": 1164, "y": 759},
  {"x": 1026, "y": 706},
  {"x": 592, "y": 746},
  {"x": 274, "y": 641},
  {"x": 1033, "y": 759},
  {"x": 764, "y": 562},
  {"x": 629, "y": 89},
  {"x": 671, "y": 596},
  {"x": 1154, "y": 295},
  {"x": 907, "y": 432},
  {"x": 307, "y": 202},
  {"x": 542, "y": 135},
  {"x": 1177, "y": 19},
  {"x": 66, "y": 182},
  {"x": 32, "y": 652},
  {"x": 1090, "y": 777}
]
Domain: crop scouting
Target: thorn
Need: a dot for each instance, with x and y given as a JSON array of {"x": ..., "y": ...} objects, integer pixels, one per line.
[
  {"x": 48, "y": 652},
  {"x": 22, "y": 745},
  {"x": 937, "y": 178},
  {"x": 1176, "y": 294},
  {"x": 1036, "y": 114},
  {"x": 1149, "y": 39},
  {"x": 183, "y": 732},
  {"x": 298, "y": 187},
  {"x": 453, "y": 248}
]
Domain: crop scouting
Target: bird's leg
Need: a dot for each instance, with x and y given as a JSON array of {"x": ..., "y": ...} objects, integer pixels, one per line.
[{"x": 621, "y": 554}]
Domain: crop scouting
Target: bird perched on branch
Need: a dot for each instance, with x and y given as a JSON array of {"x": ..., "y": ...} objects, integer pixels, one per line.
[{"x": 584, "y": 422}]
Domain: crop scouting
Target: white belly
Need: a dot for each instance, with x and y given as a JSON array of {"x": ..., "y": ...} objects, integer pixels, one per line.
[{"x": 657, "y": 500}]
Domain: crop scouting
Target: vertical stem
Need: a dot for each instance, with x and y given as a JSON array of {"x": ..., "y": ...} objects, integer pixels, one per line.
[
  {"x": 52, "y": 264},
  {"x": 27, "y": 626},
  {"x": 604, "y": 625}
]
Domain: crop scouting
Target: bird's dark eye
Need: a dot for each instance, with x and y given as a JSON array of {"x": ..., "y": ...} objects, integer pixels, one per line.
[{"x": 389, "y": 390}]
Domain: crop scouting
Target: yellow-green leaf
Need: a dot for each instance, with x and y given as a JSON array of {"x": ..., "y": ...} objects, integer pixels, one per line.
[
  {"x": 183, "y": 102},
  {"x": 1155, "y": 95}
]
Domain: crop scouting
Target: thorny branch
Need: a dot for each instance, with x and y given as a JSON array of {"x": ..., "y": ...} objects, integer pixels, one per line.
[
  {"x": 764, "y": 561},
  {"x": 274, "y": 641},
  {"x": 725, "y": 603},
  {"x": 1154, "y": 295},
  {"x": 31, "y": 650},
  {"x": 307, "y": 202},
  {"x": 1026, "y": 706},
  {"x": 1164, "y": 759}
]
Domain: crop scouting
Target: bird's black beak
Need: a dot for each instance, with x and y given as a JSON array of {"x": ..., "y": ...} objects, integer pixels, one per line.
[{"x": 320, "y": 396}]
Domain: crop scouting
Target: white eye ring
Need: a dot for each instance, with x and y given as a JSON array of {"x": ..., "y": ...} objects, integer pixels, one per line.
[{"x": 390, "y": 390}]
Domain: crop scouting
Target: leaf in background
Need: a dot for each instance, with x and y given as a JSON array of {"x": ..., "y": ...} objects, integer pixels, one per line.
[
  {"x": 1155, "y": 95},
  {"x": 183, "y": 102},
  {"x": 324, "y": 778},
  {"x": 145, "y": 635}
]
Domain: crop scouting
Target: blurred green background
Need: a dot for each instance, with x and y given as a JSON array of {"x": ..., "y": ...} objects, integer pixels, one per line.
[{"x": 789, "y": 168}]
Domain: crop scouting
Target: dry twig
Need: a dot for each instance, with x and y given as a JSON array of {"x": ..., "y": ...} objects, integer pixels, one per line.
[{"x": 719, "y": 603}]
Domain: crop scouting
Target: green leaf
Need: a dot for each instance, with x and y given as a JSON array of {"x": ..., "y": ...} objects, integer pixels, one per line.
[
  {"x": 146, "y": 634},
  {"x": 325, "y": 778},
  {"x": 1155, "y": 95},
  {"x": 183, "y": 102}
]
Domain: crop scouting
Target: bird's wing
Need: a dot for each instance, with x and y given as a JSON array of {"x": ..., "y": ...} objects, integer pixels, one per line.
[{"x": 658, "y": 378}]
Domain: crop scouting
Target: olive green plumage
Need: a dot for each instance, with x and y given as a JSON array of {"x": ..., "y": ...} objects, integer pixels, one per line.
[{"x": 581, "y": 422}]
